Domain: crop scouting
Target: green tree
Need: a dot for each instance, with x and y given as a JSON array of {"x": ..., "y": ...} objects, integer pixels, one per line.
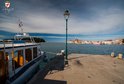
[
  {"x": 122, "y": 40},
  {"x": 38, "y": 40}
]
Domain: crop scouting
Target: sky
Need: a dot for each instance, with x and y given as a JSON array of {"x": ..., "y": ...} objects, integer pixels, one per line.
[{"x": 88, "y": 20}]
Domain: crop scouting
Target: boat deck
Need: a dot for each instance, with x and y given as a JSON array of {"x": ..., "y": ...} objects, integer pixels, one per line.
[{"x": 86, "y": 69}]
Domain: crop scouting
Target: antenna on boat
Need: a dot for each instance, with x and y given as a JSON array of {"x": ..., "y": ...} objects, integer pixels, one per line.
[{"x": 20, "y": 26}]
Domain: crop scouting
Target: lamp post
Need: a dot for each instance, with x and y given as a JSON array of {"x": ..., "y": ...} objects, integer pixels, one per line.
[{"x": 66, "y": 16}]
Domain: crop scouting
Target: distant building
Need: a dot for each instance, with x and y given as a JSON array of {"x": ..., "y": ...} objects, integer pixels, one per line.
[{"x": 107, "y": 42}]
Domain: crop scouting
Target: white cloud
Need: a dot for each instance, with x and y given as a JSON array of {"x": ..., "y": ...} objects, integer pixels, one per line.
[
  {"x": 1, "y": 36},
  {"x": 9, "y": 26},
  {"x": 105, "y": 21}
]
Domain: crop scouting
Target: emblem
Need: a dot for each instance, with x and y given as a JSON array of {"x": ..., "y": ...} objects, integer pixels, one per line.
[{"x": 7, "y": 4}]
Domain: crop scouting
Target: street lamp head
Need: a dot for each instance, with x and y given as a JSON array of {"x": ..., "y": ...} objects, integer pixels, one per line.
[{"x": 66, "y": 14}]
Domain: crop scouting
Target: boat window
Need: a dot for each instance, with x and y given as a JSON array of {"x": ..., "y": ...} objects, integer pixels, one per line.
[
  {"x": 9, "y": 63},
  {"x": 2, "y": 67},
  {"x": 7, "y": 56},
  {"x": 1, "y": 55},
  {"x": 35, "y": 52},
  {"x": 18, "y": 59},
  {"x": 28, "y": 55},
  {"x": 21, "y": 58}
]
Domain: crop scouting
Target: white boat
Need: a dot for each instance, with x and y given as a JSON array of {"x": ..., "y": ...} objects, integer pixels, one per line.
[{"x": 19, "y": 59}]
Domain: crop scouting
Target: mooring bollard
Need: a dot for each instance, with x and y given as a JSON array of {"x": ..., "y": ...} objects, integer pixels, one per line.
[
  {"x": 112, "y": 54},
  {"x": 120, "y": 56},
  {"x": 63, "y": 52}
]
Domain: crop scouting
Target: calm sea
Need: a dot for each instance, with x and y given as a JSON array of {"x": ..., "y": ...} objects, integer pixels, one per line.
[{"x": 83, "y": 48}]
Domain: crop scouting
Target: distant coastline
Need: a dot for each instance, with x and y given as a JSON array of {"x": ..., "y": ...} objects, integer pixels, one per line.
[{"x": 104, "y": 42}]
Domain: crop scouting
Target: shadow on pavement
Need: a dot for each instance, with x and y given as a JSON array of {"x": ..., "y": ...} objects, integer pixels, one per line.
[
  {"x": 55, "y": 64},
  {"x": 48, "y": 81}
]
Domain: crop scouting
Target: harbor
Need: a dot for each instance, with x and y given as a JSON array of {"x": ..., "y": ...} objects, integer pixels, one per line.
[
  {"x": 61, "y": 42},
  {"x": 85, "y": 69}
]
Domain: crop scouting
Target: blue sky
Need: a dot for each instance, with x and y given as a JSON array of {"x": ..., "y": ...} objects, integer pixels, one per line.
[{"x": 89, "y": 19}]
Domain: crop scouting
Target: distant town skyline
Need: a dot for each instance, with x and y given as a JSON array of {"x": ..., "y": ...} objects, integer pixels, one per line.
[{"x": 89, "y": 19}]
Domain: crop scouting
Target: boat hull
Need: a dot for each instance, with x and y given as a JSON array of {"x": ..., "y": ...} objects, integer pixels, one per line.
[{"x": 27, "y": 74}]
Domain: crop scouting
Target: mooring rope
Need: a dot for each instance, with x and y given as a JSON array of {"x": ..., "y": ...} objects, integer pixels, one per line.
[{"x": 50, "y": 52}]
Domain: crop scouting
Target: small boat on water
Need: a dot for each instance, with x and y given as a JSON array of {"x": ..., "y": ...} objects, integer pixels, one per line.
[{"x": 19, "y": 59}]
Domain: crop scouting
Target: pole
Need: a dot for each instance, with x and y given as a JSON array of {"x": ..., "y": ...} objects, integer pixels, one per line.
[{"x": 66, "y": 39}]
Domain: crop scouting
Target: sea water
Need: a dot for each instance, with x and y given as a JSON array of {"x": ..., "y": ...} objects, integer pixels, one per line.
[{"x": 83, "y": 48}]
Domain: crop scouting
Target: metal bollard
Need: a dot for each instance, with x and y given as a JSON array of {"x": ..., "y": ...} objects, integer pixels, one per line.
[
  {"x": 120, "y": 56},
  {"x": 112, "y": 54}
]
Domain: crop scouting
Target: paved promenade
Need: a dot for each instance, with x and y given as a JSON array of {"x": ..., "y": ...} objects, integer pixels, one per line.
[{"x": 86, "y": 69}]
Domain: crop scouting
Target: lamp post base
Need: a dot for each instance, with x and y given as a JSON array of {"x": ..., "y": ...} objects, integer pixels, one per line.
[{"x": 66, "y": 62}]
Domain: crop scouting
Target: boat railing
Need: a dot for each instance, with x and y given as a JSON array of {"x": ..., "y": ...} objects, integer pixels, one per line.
[{"x": 15, "y": 43}]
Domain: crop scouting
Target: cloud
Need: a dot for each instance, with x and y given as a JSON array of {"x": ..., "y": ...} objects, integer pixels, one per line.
[
  {"x": 47, "y": 17},
  {"x": 43, "y": 23},
  {"x": 104, "y": 22},
  {"x": 1, "y": 36}
]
